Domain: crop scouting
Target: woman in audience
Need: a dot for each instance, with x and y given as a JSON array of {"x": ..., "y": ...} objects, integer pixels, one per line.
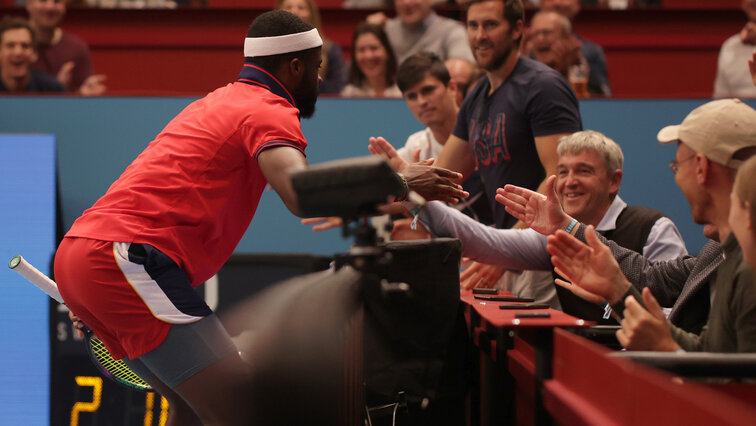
[
  {"x": 372, "y": 72},
  {"x": 333, "y": 69},
  {"x": 743, "y": 210}
]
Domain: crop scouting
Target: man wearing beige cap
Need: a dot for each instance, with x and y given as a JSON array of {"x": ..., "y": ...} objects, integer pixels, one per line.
[{"x": 712, "y": 141}]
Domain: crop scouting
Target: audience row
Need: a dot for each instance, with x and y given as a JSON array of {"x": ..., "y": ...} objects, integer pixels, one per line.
[
  {"x": 566, "y": 192},
  {"x": 416, "y": 27}
]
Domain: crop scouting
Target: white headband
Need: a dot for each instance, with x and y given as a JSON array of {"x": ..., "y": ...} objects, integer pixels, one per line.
[{"x": 265, "y": 46}]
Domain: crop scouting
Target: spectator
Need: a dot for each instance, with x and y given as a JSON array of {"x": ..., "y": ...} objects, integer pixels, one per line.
[
  {"x": 551, "y": 41},
  {"x": 372, "y": 72},
  {"x": 464, "y": 74},
  {"x": 417, "y": 28},
  {"x": 60, "y": 53},
  {"x": 17, "y": 53},
  {"x": 743, "y": 210},
  {"x": 333, "y": 69},
  {"x": 586, "y": 186},
  {"x": 598, "y": 79},
  {"x": 712, "y": 142},
  {"x": 430, "y": 94},
  {"x": 509, "y": 126},
  {"x": 733, "y": 76}
]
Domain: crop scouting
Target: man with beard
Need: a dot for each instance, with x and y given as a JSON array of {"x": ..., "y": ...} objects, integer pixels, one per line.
[
  {"x": 128, "y": 265},
  {"x": 509, "y": 126}
]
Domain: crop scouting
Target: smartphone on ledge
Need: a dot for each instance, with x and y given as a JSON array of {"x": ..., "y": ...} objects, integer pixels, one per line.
[
  {"x": 485, "y": 291},
  {"x": 524, "y": 306},
  {"x": 532, "y": 315},
  {"x": 503, "y": 298}
]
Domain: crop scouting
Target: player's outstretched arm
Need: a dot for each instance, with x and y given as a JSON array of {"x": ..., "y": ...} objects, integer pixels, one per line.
[
  {"x": 277, "y": 164},
  {"x": 540, "y": 212}
]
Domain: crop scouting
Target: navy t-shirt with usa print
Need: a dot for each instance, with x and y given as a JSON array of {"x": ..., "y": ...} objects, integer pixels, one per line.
[{"x": 501, "y": 128}]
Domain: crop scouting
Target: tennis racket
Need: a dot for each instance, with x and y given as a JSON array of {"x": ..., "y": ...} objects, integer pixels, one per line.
[{"x": 113, "y": 369}]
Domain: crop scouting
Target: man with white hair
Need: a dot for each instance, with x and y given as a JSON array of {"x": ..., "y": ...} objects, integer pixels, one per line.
[
  {"x": 712, "y": 142},
  {"x": 589, "y": 173}
]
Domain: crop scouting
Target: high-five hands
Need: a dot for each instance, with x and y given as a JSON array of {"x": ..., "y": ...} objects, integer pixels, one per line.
[{"x": 432, "y": 183}]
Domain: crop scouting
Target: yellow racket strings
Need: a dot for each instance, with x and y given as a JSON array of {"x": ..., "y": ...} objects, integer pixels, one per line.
[{"x": 117, "y": 368}]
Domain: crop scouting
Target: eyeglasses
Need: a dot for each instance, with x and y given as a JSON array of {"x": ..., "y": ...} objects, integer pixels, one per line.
[{"x": 674, "y": 165}]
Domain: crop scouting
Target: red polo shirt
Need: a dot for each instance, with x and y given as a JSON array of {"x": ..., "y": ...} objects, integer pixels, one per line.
[{"x": 193, "y": 192}]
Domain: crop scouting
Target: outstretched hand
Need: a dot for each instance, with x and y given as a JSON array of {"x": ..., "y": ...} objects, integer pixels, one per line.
[
  {"x": 592, "y": 270},
  {"x": 434, "y": 183},
  {"x": 480, "y": 275},
  {"x": 542, "y": 213},
  {"x": 645, "y": 330}
]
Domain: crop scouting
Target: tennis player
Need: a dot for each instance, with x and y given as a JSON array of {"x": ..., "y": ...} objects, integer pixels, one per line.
[{"x": 128, "y": 265}]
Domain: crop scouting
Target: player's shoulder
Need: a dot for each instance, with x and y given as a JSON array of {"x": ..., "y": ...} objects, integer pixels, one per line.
[{"x": 244, "y": 104}]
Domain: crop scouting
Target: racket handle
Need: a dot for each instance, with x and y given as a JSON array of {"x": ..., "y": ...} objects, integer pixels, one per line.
[{"x": 26, "y": 270}]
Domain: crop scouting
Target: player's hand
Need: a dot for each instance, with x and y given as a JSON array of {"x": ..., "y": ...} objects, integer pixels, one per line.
[
  {"x": 77, "y": 324},
  {"x": 382, "y": 147},
  {"x": 591, "y": 268},
  {"x": 645, "y": 330},
  {"x": 323, "y": 223},
  {"x": 434, "y": 183},
  {"x": 480, "y": 275},
  {"x": 540, "y": 212},
  {"x": 94, "y": 85}
]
